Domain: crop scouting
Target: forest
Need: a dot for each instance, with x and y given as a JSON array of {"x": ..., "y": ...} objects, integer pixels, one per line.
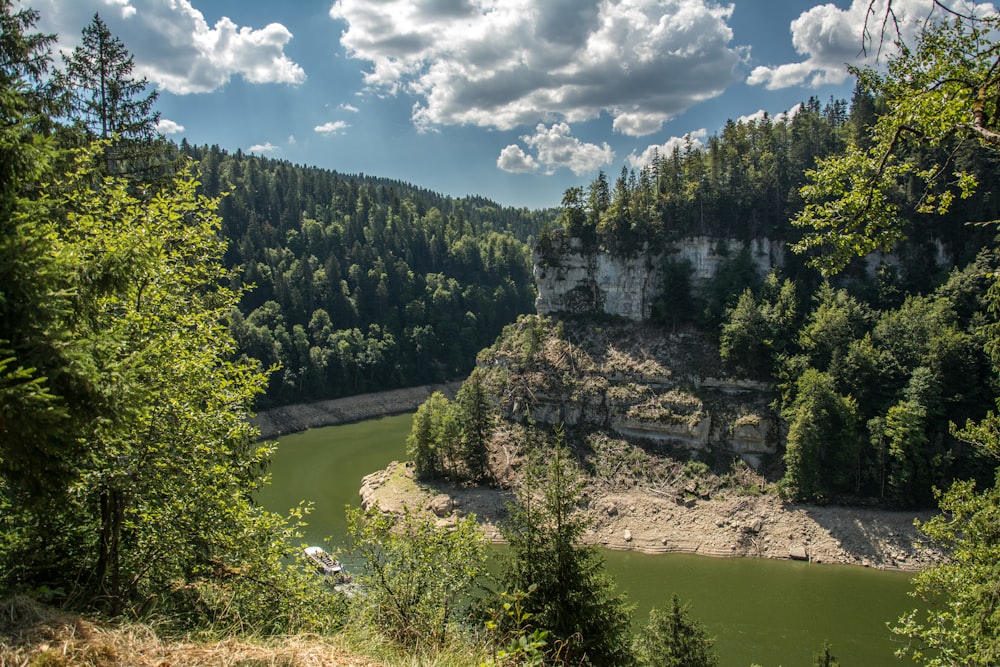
[
  {"x": 874, "y": 365},
  {"x": 362, "y": 284},
  {"x": 152, "y": 296}
]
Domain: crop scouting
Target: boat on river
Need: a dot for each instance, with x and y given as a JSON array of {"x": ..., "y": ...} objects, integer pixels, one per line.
[{"x": 327, "y": 565}]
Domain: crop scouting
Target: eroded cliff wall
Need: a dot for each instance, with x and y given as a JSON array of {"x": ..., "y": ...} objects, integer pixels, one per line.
[{"x": 573, "y": 280}]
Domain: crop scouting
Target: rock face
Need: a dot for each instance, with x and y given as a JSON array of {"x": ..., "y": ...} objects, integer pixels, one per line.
[
  {"x": 572, "y": 280},
  {"x": 637, "y": 382}
]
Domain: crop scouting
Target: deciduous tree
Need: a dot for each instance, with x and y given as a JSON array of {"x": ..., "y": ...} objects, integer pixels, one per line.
[{"x": 938, "y": 93}]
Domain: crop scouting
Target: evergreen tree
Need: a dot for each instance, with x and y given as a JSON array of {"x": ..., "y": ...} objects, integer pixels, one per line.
[
  {"x": 477, "y": 417},
  {"x": 108, "y": 103},
  {"x": 674, "y": 639},
  {"x": 572, "y": 597},
  {"x": 40, "y": 363},
  {"x": 821, "y": 450}
]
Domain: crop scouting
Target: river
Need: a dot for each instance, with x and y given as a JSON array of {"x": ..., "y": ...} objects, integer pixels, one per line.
[{"x": 766, "y": 612}]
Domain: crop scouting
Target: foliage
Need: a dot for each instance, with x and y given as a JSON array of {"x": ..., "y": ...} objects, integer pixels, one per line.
[
  {"x": 826, "y": 658},
  {"x": 513, "y": 639},
  {"x": 477, "y": 419},
  {"x": 961, "y": 624},
  {"x": 152, "y": 507},
  {"x": 34, "y": 340},
  {"x": 364, "y": 284},
  {"x": 573, "y": 598},
  {"x": 104, "y": 102},
  {"x": 674, "y": 639},
  {"x": 934, "y": 95},
  {"x": 418, "y": 575},
  {"x": 822, "y": 444},
  {"x": 451, "y": 439},
  {"x": 756, "y": 332},
  {"x": 937, "y": 97}
]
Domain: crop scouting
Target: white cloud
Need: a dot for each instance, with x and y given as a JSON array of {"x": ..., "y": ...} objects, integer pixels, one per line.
[
  {"x": 829, "y": 38},
  {"x": 166, "y": 126},
  {"x": 638, "y": 124},
  {"x": 756, "y": 116},
  {"x": 173, "y": 45},
  {"x": 349, "y": 107},
  {"x": 666, "y": 149},
  {"x": 515, "y": 160},
  {"x": 791, "y": 113},
  {"x": 333, "y": 127},
  {"x": 266, "y": 147},
  {"x": 555, "y": 148},
  {"x": 519, "y": 62},
  {"x": 291, "y": 139},
  {"x": 760, "y": 115}
]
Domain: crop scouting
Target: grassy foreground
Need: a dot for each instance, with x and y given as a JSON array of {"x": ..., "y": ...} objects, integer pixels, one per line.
[{"x": 33, "y": 635}]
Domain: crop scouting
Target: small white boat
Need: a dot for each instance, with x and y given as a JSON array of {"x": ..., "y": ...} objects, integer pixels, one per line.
[{"x": 327, "y": 565}]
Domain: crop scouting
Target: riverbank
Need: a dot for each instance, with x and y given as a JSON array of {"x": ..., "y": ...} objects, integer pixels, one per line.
[
  {"x": 299, "y": 417},
  {"x": 727, "y": 524}
]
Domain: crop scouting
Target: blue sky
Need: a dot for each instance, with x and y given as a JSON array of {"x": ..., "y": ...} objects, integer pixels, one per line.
[{"x": 515, "y": 100}]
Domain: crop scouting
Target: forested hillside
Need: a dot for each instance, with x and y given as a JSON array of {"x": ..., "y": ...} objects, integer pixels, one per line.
[
  {"x": 744, "y": 183},
  {"x": 873, "y": 366},
  {"x": 359, "y": 283}
]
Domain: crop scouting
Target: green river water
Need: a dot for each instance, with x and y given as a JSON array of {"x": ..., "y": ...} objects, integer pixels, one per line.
[{"x": 760, "y": 611}]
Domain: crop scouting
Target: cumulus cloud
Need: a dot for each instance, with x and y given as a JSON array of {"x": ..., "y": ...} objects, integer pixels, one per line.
[
  {"x": 173, "y": 45},
  {"x": 829, "y": 38},
  {"x": 694, "y": 139},
  {"x": 554, "y": 149},
  {"x": 333, "y": 127},
  {"x": 266, "y": 147},
  {"x": 516, "y": 161},
  {"x": 166, "y": 126},
  {"x": 520, "y": 62},
  {"x": 349, "y": 107},
  {"x": 760, "y": 114}
]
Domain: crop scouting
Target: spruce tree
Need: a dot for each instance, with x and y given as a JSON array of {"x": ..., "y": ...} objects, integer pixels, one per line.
[
  {"x": 572, "y": 597},
  {"x": 674, "y": 639},
  {"x": 107, "y": 103}
]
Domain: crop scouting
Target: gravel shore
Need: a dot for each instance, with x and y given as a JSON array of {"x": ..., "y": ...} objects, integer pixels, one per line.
[
  {"x": 726, "y": 525},
  {"x": 293, "y": 418}
]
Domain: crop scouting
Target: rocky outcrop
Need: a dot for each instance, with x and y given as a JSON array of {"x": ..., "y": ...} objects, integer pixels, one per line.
[
  {"x": 573, "y": 280},
  {"x": 637, "y": 382}
]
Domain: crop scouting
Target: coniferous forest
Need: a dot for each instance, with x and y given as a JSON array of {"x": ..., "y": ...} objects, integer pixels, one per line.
[
  {"x": 153, "y": 296},
  {"x": 362, "y": 284}
]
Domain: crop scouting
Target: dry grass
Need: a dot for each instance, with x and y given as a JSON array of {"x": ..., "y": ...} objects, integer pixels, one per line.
[{"x": 35, "y": 636}]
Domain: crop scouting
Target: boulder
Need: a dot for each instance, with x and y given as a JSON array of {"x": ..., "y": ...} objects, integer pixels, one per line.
[{"x": 442, "y": 505}]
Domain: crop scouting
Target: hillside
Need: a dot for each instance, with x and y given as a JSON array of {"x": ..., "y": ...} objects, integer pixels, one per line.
[{"x": 359, "y": 283}]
